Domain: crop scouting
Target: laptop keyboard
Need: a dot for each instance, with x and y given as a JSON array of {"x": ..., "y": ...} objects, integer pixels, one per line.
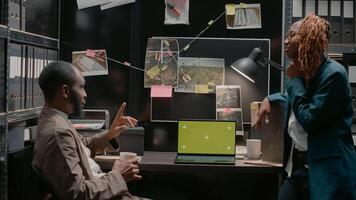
[{"x": 205, "y": 159}]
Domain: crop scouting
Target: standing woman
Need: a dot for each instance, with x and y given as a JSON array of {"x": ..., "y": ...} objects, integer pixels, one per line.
[{"x": 319, "y": 155}]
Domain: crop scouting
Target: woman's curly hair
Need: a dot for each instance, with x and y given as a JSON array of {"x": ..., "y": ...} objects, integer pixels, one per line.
[{"x": 314, "y": 34}]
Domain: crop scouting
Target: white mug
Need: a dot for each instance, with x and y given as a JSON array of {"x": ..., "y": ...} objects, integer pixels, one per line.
[
  {"x": 127, "y": 155},
  {"x": 253, "y": 148}
]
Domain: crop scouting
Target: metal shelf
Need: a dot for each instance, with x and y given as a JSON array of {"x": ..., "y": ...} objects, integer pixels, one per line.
[
  {"x": 342, "y": 48},
  {"x": 22, "y": 115},
  {"x": 2, "y": 119},
  {"x": 33, "y": 39},
  {"x": 4, "y": 31}
]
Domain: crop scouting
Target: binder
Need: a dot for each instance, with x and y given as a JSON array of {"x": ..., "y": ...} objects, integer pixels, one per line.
[
  {"x": 310, "y": 6},
  {"x": 335, "y": 22},
  {"x": 23, "y": 77},
  {"x": 42, "y": 65},
  {"x": 23, "y": 15},
  {"x": 17, "y": 83},
  {"x": 36, "y": 75},
  {"x": 29, "y": 71},
  {"x": 13, "y": 15},
  {"x": 11, "y": 79},
  {"x": 18, "y": 78},
  {"x": 12, "y": 76},
  {"x": 348, "y": 23},
  {"x": 323, "y": 10},
  {"x": 297, "y": 10}
]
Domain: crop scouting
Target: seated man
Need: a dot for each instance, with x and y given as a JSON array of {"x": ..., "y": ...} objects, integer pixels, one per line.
[{"x": 64, "y": 156}]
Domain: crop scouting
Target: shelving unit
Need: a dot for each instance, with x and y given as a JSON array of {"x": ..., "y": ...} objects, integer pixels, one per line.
[{"x": 14, "y": 36}]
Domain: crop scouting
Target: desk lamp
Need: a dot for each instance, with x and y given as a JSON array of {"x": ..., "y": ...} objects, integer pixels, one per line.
[{"x": 248, "y": 66}]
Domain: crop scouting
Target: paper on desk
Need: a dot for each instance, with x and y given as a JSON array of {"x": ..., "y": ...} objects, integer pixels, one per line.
[
  {"x": 262, "y": 162},
  {"x": 161, "y": 91},
  {"x": 115, "y": 3},
  {"x": 90, "y": 3}
]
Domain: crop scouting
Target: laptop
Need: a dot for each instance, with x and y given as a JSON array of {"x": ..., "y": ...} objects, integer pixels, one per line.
[{"x": 206, "y": 142}]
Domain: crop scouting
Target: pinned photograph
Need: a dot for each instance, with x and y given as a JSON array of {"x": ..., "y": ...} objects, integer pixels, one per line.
[
  {"x": 233, "y": 114},
  {"x": 176, "y": 12},
  {"x": 228, "y": 96},
  {"x": 91, "y": 62},
  {"x": 161, "y": 62},
  {"x": 243, "y": 16},
  {"x": 228, "y": 105},
  {"x": 200, "y": 75}
]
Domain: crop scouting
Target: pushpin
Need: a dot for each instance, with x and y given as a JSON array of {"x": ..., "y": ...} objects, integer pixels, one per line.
[
  {"x": 186, "y": 47},
  {"x": 211, "y": 22}
]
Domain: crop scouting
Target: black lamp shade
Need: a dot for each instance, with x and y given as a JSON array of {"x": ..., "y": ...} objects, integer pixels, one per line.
[{"x": 248, "y": 67}]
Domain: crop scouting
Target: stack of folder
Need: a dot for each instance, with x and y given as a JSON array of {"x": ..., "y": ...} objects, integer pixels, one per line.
[
  {"x": 340, "y": 14},
  {"x": 26, "y": 64}
]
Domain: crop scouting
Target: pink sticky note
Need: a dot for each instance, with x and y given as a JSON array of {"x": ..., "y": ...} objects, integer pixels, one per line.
[
  {"x": 226, "y": 110},
  {"x": 161, "y": 91},
  {"x": 90, "y": 53}
]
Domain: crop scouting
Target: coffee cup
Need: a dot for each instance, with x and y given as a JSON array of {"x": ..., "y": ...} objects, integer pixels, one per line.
[
  {"x": 127, "y": 155},
  {"x": 253, "y": 147}
]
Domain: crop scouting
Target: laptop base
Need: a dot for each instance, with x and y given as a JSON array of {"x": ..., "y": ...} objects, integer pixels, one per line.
[{"x": 205, "y": 159}]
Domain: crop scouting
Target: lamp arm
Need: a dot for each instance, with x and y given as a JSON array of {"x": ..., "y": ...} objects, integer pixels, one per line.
[{"x": 274, "y": 64}]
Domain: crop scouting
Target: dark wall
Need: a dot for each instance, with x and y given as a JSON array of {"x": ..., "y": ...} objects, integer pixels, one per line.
[
  {"x": 92, "y": 28},
  {"x": 123, "y": 32},
  {"x": 150, "y": 22}
]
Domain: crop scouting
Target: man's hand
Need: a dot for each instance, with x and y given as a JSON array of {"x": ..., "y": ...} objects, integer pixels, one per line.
[
  {"x": 120, "y": 123},
  {"x": 264, "y": 111},
  {"x": 128, "y": 169},
  {"x": 293, "y": 70}
]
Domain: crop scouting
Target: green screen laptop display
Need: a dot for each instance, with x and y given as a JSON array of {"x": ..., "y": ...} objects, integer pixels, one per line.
[{"x": 206, "y": 137}]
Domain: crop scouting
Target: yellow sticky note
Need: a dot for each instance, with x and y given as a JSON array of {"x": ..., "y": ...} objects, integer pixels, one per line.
[
  {"x": 201, "y": 89},
  {"x": 153, "y": 72},
  {"x": 230, "y": 9}
]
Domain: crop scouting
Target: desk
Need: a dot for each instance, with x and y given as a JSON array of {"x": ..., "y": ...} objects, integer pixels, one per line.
[{"x": 162, "y": 179}]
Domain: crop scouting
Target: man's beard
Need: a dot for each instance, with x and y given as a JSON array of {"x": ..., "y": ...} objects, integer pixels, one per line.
[{"x": 76, "y": 102}]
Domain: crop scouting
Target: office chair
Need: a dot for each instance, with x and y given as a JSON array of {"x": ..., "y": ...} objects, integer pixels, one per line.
[{"x": 44, "y": 189}]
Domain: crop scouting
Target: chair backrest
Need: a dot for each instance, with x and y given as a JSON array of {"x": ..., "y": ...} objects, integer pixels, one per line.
[{"x": 46, "y": 190}]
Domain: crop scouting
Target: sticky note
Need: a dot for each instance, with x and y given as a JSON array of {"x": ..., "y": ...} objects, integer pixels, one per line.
[
  {"x": 230, "y": 9},
  {"x": 153, "y": 72},
  {"x": 161, "y": 91},
  {"x": 90, "y": 53},
  {"x": 201, "y": 89},
  {"x": 226, "y": 110}
]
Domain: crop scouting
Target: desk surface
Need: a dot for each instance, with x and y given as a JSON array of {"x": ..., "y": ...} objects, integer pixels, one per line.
[{"x": 164, "y": 161}]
